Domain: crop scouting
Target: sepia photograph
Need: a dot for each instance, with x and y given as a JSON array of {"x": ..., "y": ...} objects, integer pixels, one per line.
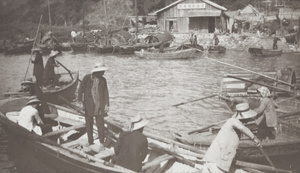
[{"x": 150, "y": 86}]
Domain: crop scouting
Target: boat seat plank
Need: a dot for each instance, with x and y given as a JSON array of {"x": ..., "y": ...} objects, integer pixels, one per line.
[
  {"x": 64, "y": 130},
  {"x": 67, "y": 121},
  {"x": 157, "y": 161}
]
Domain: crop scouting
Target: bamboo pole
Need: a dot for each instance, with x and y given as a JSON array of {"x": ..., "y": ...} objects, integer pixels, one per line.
[{"x": 49, "y": 13}]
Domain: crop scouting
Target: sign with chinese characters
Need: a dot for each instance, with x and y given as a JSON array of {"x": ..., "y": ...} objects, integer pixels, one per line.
[{"x": 191, "y": 6}]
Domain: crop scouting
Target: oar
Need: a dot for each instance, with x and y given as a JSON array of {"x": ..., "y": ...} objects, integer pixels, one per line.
[
  {"x": 251, "y": 81},
  {"x": 207, "y": 127},
  {"x": 202, "y": 98},
  {"x": 266, "y": 156},
  {"x": 79, "y": 110},
  {"x": 66, "y": 69}
]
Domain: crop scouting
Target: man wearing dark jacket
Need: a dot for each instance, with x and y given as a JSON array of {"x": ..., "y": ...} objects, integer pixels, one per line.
[
  {"x": 93, "y": 89},
  {"x": 132, "y": 146}
]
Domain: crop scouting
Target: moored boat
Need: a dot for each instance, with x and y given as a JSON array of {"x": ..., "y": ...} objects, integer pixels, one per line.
[
  {"x": 172, "y": 54},
  {"x": 64, "y": 150},
  {"x": 264, "y": 52},
  {"x": 290, "y": 38},
  {"x": 216, "y": 49}
]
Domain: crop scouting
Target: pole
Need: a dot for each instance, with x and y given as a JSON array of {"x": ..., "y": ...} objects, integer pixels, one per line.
[
  {"x": 136, "y": 18},
  {"x": 196, "y": 100},
  {"x": 49, "y": 13},
  {"x": 83, "y": 18},
  {"x": 37, "y": 32}
]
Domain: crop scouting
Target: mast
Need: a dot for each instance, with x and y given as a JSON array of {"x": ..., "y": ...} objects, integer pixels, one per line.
[
  {"x": 136, "y": 18},
  {"x": 49, "y": 13},
  {"x": 83, "y": 18}
]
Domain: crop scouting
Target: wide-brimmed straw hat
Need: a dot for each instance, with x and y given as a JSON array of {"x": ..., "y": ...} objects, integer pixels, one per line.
[
  {"x": 33, "y": 101},
  {"x": 30, "y": 80},
  {"x": 99, "y": 67},
  {"x": 243, "y": 111},
  {"x": 53, "y": 53},
  {"x": 138, "y": 122}
]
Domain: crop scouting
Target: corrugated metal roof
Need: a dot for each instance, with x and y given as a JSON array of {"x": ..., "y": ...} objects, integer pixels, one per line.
[{"x": 179, "y": 1}]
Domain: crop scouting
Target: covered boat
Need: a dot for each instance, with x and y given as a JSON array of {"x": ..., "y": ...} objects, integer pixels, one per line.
[
  {"x": 168, "y": 54},
  {"x": 264, "y": 52},
  {"x": 68, "y": 83},
  {"x": 216, "y": 49},
  {"x": 65, "y": 150}
]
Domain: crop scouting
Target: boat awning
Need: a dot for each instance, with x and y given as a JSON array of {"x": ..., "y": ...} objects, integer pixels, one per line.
[{"x": 203, "y": 13}]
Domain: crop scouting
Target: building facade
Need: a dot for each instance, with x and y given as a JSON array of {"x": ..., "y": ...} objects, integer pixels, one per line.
[{"x": 188, "y": 15}]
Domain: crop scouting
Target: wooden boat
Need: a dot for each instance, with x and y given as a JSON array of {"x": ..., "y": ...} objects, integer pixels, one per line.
[
  {"x": 19, "y": 47},
  {"x": 198, "y": 47},
  {"x": 65, "y": 150},
  {"x": 173, "y": 54},
  {"x": 216, "y": 49},
  {"x": 234, "y": 90},
  {"x": 130, "y": 49},
  {"x": 264, "y": 52},
  {"x": 79, "y": 47},
  {"x": 67, "y": 89}
]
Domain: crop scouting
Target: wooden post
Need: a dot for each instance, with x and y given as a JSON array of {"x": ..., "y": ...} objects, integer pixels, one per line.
[
  {"x": 49, "y": 16},
  {"x": 136, "y": 19}
]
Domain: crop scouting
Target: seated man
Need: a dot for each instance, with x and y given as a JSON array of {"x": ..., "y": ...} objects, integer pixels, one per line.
[
  {"x": 29, "y": 115},
  {"x": 132, "y": 146}
]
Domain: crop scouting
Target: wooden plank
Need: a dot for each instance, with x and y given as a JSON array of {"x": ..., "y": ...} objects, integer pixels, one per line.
[
  {"x": 157, "y": 161},
  {"x": 64, "y": 130}
]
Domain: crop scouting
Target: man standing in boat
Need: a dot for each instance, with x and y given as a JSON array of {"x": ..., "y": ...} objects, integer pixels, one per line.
[
  {"x": 38, "y": 66},
  {"x": 222, "y": 150},
  {"x": 49, "y": 76},
  {"x": 93, "y": 89}
]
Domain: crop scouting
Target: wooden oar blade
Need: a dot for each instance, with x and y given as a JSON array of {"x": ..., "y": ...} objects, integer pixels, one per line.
[{"x": 206, "y": 97}]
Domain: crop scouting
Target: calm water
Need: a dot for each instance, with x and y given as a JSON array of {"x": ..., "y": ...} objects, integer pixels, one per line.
[{"x": 151, "y": 87}]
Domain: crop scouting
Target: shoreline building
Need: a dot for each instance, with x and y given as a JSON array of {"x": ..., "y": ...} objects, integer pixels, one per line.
[{"x": 183, "y": 16}]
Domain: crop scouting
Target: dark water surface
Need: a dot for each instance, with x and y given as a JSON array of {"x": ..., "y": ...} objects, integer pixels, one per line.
[{"x": 151, "y": 87}]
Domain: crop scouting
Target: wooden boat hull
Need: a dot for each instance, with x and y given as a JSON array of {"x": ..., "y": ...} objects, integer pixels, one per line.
[
  {"x": 176, "y": 54},
  {"x": 284, "y": 144},
  {"x": 79, "y": 47},
  {"x": 44, "y": 154},
  {"x": 216, "y": 49},
  {"x": 264, "y": 52},
  {"x": 128, "y": 49},
  {"x": 19, "y": 48},
  {"x": 67, "y": 89}
]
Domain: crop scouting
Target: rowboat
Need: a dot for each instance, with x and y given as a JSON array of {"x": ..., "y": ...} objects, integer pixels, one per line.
[
  {"x": 64, "y": 150},
  {"x": 18, "y": 47},
  {"x": 216, "y": 49},
  {"x": 79, "y": 47},
  {"x": 264, "y": 52},
  {"x": 172, "y": 54},
  {"x": 234, "y": 90},
  {"x": 130, "y": 49},
  {"x": 67, "y": 88}
]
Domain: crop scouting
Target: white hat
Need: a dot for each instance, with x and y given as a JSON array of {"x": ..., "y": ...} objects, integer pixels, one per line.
[
  {"x": 138, "y": 122},
  {"x": 33, "y": 101},
  {"x": 99, "y": 67},
  {"x": 53, "y": 53},
  {"x": 243, "y": 111}
]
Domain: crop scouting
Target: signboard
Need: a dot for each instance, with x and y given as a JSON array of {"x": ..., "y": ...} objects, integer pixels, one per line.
[{"x": 191, "y": 6}]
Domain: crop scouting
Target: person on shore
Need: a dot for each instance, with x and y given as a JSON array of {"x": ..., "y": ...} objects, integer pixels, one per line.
[
  {"x": 193, "y": 39},
  {"x": 38, "y": 66},
  {"x": 222, "y": 150},
  {"x": 94, "y": 90},
  {"x": 266, "y": 115},
  {"x": 132, "y": 146},
  {"x": 49, "y": 76},
  {"x": 73, "y": 36},
  {"x": 215, "y": 40}
]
